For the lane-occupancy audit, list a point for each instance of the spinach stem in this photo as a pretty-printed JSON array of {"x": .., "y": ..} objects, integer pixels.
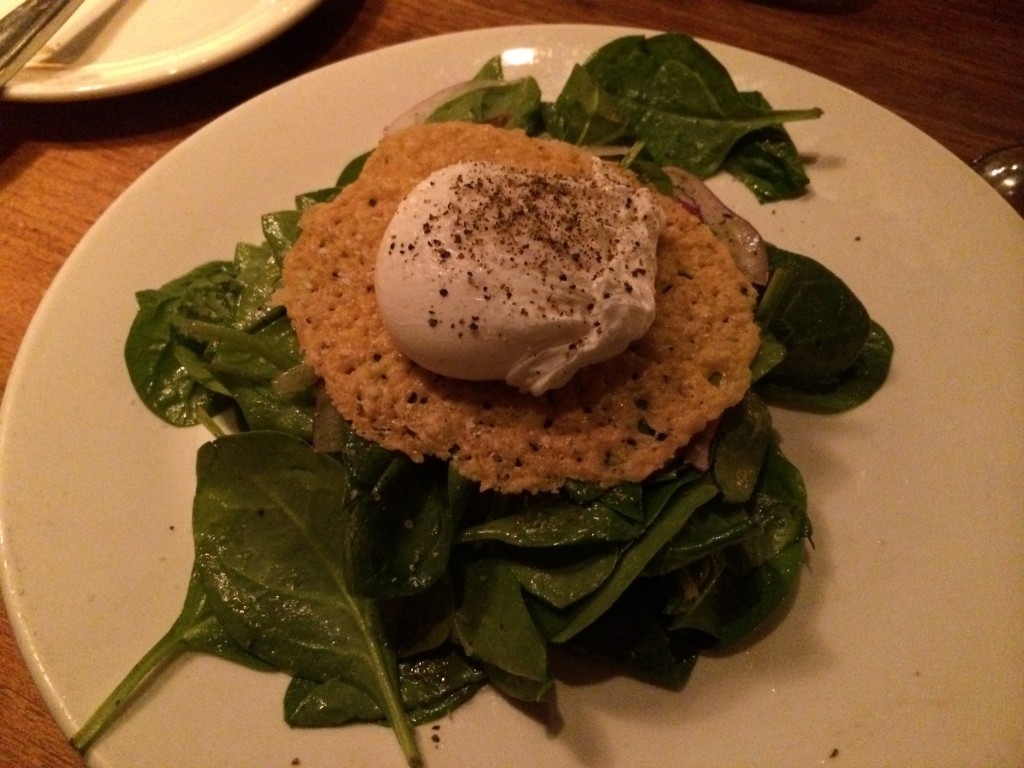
[
  {"x": 167, "y": 649},
  {"x": 406, "y": 735},
  {"x": 386, "y": 672},
  {"x": 214, "y": 332},
  {"x": 773, "y": 295}
]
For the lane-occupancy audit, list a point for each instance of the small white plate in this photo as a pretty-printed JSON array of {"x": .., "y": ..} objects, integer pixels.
[
  {"x": 904, "y": 645},
  {"x": 112, "y": 47}
]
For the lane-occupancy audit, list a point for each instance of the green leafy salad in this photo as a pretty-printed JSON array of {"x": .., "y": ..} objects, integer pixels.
[{"x": 390, "y": 591}]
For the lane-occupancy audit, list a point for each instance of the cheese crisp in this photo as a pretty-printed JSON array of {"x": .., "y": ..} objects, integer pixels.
[{"x": 615, "y": 421}]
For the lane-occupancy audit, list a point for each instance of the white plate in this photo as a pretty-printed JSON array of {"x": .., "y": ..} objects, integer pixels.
[
  {"x": 111, "y": 47},
  {"x": 905, "y": 643}
]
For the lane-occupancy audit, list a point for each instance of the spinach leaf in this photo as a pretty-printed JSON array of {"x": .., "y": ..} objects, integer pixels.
[
  {"x": 365, "y": 461},
  {"x": 770, "y": 353},
  {"x": 713, "y": 528},
  {"x": 518, "y": 686},
  {"x": 743, "y": 436},
  {"x": 701, "y": 144},
  {"x": 767, "y": 160},
  {"x": 670, "y": 94},
  {"x": 836, "y": 356},
  {"x": 422, "y": 622},
  {"x": 157, "y": 354},
  {"x": 768, "y": 163},
  {"x": 669, "y": 71},
  {"x": 494, "y": 626},
  {"x": 730, "y": 592},
  {"x": 779, "y": 505},
  {"x": 258, "y": 269},
  {"x": 625, "y": 499},
  {"x": 632, "y": 637},
  {"x": 555, "y": 523},
  {"x": 430, "y": 687},
  {"x": 273, "y": 563},
  {"x": 635, "y": 558},
  {"x": 561, "y": 576},
  {"x": 812, "y": 312},
  {"x": 311, "y": 704},
  {"x": 500, "y": 102},
  {"x": 258, "y": 373},
  {"x": 403, "y": 514},
  {"x": 205, "y": 341},
  {"x": 281, "y": 229},
  {"x": 313, "y": 197},
  {"x": 585, "y": 114},
  {"x": 352, "y": 170},
  {"x": 254, "y": 355},
  {"x": 856, "y": 385},
  {"x": 196, "y": 629},
  {"x": 250, "y": 367},
  {"x": 579, "y": 513},
  {"x": 743, "y": 598},
  {"x": 398, "y": 535}
]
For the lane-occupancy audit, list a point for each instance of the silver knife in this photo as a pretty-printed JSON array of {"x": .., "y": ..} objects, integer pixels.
[{"x": 26, "y": 29}]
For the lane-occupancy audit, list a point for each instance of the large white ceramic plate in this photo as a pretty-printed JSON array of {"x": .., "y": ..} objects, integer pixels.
[
  {"x": 905, "y": 643},
  {"x": 111, "y": 47}
]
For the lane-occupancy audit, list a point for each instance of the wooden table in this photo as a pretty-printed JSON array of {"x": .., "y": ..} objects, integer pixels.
[{"x": 951, "y": 68}]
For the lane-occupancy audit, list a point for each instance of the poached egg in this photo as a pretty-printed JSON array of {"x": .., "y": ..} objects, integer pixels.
[{"x": 488, "y": 272}]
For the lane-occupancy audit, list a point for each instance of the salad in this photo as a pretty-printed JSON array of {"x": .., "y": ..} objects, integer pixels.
[{"x": 391, "y": 591}]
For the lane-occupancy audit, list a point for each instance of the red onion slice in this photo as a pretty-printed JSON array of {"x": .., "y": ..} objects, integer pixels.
[{"x": 745, "y": 243}]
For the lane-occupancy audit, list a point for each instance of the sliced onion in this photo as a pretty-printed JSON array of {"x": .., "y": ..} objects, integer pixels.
[
  {"x": 697, "y": 452},
  {"x": 745, "y": 243},
  {"x": 606, "y": 150},
  {"x": 295, "y": 379},
  {"x": 419, "y": 113},
  {"x": 328, "y": 424}
]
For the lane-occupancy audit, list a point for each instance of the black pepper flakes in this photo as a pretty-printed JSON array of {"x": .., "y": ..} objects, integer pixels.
[{"x": 568, "y": 233}]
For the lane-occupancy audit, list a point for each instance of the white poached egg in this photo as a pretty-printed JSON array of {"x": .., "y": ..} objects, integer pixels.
[{"x": 487, "y": 272}]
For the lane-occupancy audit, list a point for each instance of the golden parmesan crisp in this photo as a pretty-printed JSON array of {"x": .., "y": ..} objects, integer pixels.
[{"x": 616, "y": 421}]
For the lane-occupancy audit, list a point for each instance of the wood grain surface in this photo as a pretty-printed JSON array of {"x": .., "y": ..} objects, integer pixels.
[{"x": 951, "y": 68}]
